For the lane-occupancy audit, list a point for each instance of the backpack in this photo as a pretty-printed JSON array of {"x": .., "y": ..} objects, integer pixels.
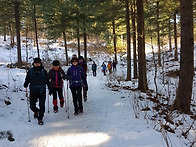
[
  {"x": 94, "y": 67},
  {"x": 38, "y": 83},
  {"x": 109, "y": 66}
]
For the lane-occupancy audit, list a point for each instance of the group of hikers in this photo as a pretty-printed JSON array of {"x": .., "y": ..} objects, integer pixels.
[
  {"x": 37, "y": 78},
  {"x": 111, "y": 65}
]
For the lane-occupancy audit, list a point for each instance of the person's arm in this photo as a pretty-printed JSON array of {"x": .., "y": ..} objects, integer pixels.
[
  {"x": 47, "y": 79},
  {"x": 68, "y": 74},
  {"x": 27, "y": 80},
  {"x": 83, "y": 75},
  {"x": 63, "y": 75}
]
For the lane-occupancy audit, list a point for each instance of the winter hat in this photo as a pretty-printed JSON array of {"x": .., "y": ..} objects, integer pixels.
[
  {"x": 55, "y": 63},
  {"x": 37, "y": 60},
  {"x": 74, "y": 59},
  {"x": 81, "y": 57},
  {"x": 74, "y": 56}
]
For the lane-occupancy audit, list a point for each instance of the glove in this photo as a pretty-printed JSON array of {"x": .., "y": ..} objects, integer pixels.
[
  {"x": 50, "y": 92},
  {"x": 86, "y": 87},
  {"x": 25, "y": 85},
  {"x": 61, "y": 75}
]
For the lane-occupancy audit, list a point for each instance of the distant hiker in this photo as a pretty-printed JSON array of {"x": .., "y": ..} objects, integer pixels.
[
  {"x": 56, "y": 77},
  {"x": 114, "y": 65},
  {"x": 103, "y": 68},
  {"x": 109, "y": 66},
  {"x": 94, "y": 68},
  {"x": 38, "y": 78},
  {"x": 84, "y": 66},
  {"x": 77, "y": 80},
  {"x": 74, "y": 56}
]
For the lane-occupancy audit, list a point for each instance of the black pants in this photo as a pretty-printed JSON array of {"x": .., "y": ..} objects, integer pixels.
[
  {"x": 94, "y": 73},
  {"x": 34, "y": 97},
  {"x": 104, "y": 72},
  {"x": 77, "y": 98},
  {"x": 59, "y": 91}
]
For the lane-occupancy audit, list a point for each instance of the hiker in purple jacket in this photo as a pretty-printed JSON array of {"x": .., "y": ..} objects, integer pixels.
[{"x": 77, "y": 80}]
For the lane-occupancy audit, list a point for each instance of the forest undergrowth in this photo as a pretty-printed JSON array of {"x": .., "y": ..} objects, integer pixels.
[{"x": 155, "y": 105}]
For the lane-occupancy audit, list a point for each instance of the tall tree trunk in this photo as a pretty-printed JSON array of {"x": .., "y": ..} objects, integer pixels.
[
  {"x": 65, "y": 45},
  {"x": 85, "y": 40},
  {"x": 26, "y": 34},
  {"x": 11, "y": 34},
  {"x": 114, "y": 40},
  {"x": 128, "y": 41},
  {"x": 134, "y": 39},
  {"x": 35, "y": 25},
  {"x": 175, "y": 38},
  {"x": 184, "y": 92},
  {"x": 169, "y": 28},
  {"x": 4, "y": 32},
  {"x": 158, "y": 36},
  {"x": 141, "y": 47},
  {"x": 17, "y": 23},
  {"x": 78, "y": 37}
]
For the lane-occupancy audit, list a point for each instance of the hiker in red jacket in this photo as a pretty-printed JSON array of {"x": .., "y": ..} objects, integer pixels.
[{"x": 56, "y": 77}]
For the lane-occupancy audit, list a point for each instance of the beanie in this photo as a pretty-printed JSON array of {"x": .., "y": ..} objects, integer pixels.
[
  {"x": 74, "y": 56},
  {"x": 55, "y": 63},
  {"x": 81, "y": 57},
  {"x": 37, "y": 60}
]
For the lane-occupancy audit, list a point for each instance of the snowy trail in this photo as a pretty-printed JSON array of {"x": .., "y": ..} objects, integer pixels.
[{"x": 107, "y": 121}]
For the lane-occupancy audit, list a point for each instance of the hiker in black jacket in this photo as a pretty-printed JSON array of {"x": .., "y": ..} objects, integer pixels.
[
  {"x": 94, "y": 68},
  {"x": 38, "y": 78}
]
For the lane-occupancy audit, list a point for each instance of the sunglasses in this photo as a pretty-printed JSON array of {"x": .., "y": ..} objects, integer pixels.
[{"x": 74, "y": 61}]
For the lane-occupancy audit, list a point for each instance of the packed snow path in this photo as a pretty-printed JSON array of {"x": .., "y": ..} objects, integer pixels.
[{"x": 107, "y": 121}]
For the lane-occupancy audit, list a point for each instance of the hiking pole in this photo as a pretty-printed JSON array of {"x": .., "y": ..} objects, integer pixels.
[
  {"x": 48, "y": 101},
  {"x": 67, "y": 102},
  {"x": 28, "y": 106},
  {"x": 64, "y": 98}
]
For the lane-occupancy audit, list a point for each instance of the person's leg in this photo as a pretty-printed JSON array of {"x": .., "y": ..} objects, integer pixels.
[
  {"x": 73, "y": 91},
  {"x": 42, "y": 100},
  {"x": 60, "y": 94},
  {"x": 84, "y": 93},
  {"x": 79, "y": 98},
  {"x": 94, "y": 73},
  {"x": 55, "y": 107},
  {"x": 33, "y": 101}
]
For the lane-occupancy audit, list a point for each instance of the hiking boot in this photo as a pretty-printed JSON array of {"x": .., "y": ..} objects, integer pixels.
[
  {"x": 55, "y": 108},
  {"x": 62, "y": 103},
  {"x": 36, "y": 115},
  {"x": 76, "y": 113},
  {"x": 40, "y": 122},
  {"x": 55, "y": 111},
  {"x": 80, "y": 111},
  {"x": 85, "y": 99}
]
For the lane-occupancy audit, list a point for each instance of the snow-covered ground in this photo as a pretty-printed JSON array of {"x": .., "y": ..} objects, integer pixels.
[{"x": 109, "y": 119}]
